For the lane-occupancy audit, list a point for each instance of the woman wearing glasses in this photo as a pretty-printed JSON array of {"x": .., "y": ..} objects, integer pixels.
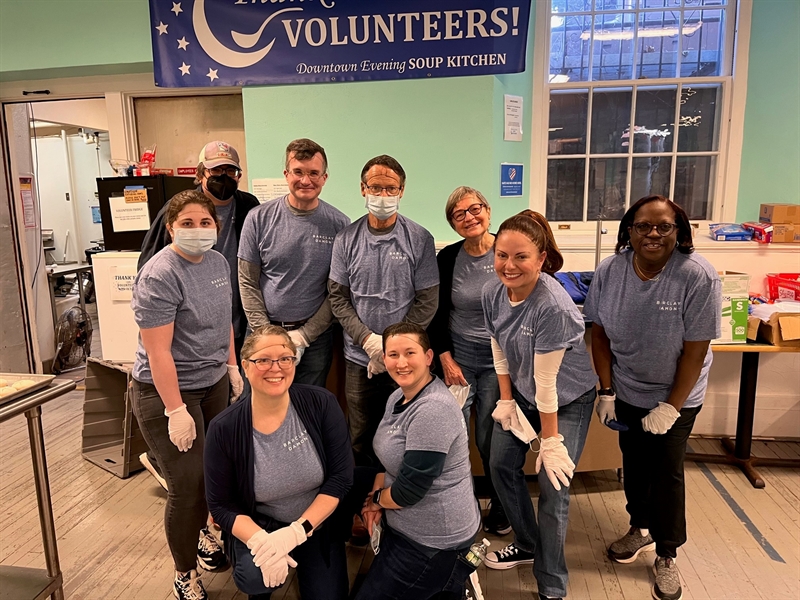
[
  {"x": 277, "y": 467},
  {"x": 458, "y": 334},
  {"x": 655, "y": 306}
]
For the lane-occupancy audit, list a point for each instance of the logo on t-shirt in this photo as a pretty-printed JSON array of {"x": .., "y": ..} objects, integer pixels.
[
  {"x": 668, "y": 305},
  {"x": 393, "y": 429},
  {"x": 526, "y": 330},
  {"x": 322, "y": 239},
  {"x": 395, "y": 255},
  {"x": 488, "y": 268},
  {"x": 297, "y": 441},
  {"x": 219, "y": 282}
]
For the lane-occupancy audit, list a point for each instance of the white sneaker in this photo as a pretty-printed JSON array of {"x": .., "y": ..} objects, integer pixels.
[
  {"x": 153, "y": 471},
  {"x": 189, "y": 586}
]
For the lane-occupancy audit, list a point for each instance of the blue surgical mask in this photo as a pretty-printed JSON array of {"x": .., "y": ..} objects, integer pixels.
[
  {"x": 382, "y": 207},
  {"x": 195, "y": 241}
]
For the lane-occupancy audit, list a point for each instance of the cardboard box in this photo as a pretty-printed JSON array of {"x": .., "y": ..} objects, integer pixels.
[
  {"x": 785, "y": 233},
  {"x": 780, "y": 213},
  {"x": 734, "y": 283},
  {"x": 733, "y": 320},
  {"x": 783, "y": 329}
]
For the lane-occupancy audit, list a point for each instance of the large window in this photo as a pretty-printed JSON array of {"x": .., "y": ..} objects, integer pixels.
[{"x": 636, "y": 93}]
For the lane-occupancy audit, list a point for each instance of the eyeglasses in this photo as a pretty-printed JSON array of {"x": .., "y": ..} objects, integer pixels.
[
  {"x": 265, "y": 364},
  {"x": 229, "y": 171},
  {"x": 662, "y": 229},
  {"x": 312, "y": 175},
  {"x": 474, "y": 209},
  {"x": 376, "y": 190}
]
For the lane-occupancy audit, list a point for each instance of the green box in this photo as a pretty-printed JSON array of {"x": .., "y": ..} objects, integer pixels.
[{"x": 733, "y": 320}]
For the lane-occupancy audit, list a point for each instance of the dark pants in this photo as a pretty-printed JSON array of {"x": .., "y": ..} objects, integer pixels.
[
  {"x": 186, "y": 512},
  {"x": 316, "y": 361},
  {"x": 403, "y": 571},
  {"x": 366, "y": 402},
  {"x": 653, "y": 476}
]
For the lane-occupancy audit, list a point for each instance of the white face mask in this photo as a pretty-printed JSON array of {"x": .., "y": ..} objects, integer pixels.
[
  {"x": 526, "y": 433},
  {"x": 194, "y": 242},
  {"x": 382, "y": 207}
]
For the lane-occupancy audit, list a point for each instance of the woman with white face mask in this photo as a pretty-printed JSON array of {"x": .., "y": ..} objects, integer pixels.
[
  {"x": 545, "y": 379},
  {"x": 185, "y": 372}
]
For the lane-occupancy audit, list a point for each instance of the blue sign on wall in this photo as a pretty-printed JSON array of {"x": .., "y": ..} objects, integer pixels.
[
  {"x": 198, "y": 43},
  {"x": 510, "y": 180}
]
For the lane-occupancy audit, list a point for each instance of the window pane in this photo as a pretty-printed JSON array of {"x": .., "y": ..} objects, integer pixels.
[
  {"x": 569, "y": 48},
  {"x": 657, "y": 44},
  {"x": 612, "y": 50},
  {"x": 698, "y": 124},
  {"x": 650, "y": 176},
  {"x": 568, "y": 114},
  {"x": 565, "y": 189},
  {"x": 561, "y": 6},
  {"x": 611, "y": 117},
  {"x": 659, "y": 3},
  {"x": 693, "y": 185},
  {"x": 701, "y": 43},
  {"x": 655, "y": 114},
  {"x": 689, "y": 3},
  {"x": 615, "y": 4},
  {"x": 607, "y": 179}
]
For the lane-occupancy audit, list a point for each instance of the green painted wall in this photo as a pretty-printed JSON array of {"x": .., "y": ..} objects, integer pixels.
[{"x": 770, "y": 169}]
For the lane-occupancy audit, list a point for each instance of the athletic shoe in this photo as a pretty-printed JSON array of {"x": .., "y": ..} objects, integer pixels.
[
  {"x": 508, "y": 558},
  {"x": 189, "y": 586},
  {"x": 209, "y": 554},
  {"x": 153, "y": 470},
  {"x": 627, "y": 548},
  {"x": 543, "y": 597},
  {"x": 668, "y": 581},
  {"x": 496, "y": 521}
]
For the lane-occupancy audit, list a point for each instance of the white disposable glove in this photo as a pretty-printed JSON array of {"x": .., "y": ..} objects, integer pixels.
[
  {"x": 300, "y": 340},
  {"x": 506, "y": 414},
  {"x": 605, "y": 408},
  {"x": 558, "y": 466},
  {"x": 273, "y": 572},
  {"x": 660, "y": 419},
  {"x": 375, "y": 368},
  {"x": 237, "y": 383},
  {"x": 373, "y": 346},
  {"x": 181, "y": 428},
  {"x": 278, "y": 543},
  {"x": 460, "y": 393}
]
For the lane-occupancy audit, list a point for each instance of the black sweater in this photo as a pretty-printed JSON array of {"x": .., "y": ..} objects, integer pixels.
[{"x": 439, "y": 329}]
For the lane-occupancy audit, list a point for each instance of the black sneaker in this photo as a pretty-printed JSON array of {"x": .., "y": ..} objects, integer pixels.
[
  {"x": 668, "y": 582},
  {"x": 508, "y": 558},
  {"x": 189, "y": 586},
  {"x": 543, "y": 597},
  {"x": 209, "y": 553},
  {"x": 628, "y": 547},
  {"x": 496, "y": 521}
]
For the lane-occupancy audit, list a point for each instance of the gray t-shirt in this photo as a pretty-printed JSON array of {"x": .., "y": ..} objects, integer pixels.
[
  {"x": 648, "y": 321},
  {"x": 294, "y": 252},
  {"x": 546, "y": 321},
  {"x": 383, "y": 273},
  {"x": 197, "y": 299},
  {"x": 470, "y": 274},
  {"x": 448, "y": 514},
  {"x": 227, "y": 245},
  {"x": 288, "y": 471}
]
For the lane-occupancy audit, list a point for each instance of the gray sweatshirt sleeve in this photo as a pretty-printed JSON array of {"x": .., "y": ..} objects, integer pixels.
[
  {"x": 343, "y": 309},
  {"x": 319, "y": 322},
  {"x": 424, "y": 308},
  {"x": 250, "y": 291}
]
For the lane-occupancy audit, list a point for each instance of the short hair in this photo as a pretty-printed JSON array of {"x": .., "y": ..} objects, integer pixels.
[
  {"x": 459, "y": 194},
  {"x": 182, "y": 199},
  {"x": 535, "y": 227},
  {"x": 248, "y": 347},
  {"x": 387, "y": 161},
  {"x": 305, "y": 149},
  {"x": 685, "y": 243},
  {"x": 405, "y": 328}
]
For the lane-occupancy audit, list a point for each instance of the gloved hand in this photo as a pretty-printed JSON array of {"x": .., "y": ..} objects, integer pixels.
[
  {"x": 557, "y": 464},
  {"x": 660, "y": 419},
  {"x": 605, "y": 408},
  {"x": 275, "y": 573},
  {"x": 373, "y": 346},
  {"x": 277, "y": 544},
  {"x": 375, "y": 367},
  {"x": 299, "y": 339},
  {"x": 181, "y": 428},
  {"x": 237, "y": 383},
  {"x": 506, "y": 414}
]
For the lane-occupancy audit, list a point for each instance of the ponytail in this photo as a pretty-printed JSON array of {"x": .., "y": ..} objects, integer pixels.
[{"x": 536, "y": 228}]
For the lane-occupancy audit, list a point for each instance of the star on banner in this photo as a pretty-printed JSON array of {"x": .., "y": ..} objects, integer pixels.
[
  {"x": 184, "y": 69},
  {"x": 182, "y": 43},
  {"x": 176, "y": 8},
  {"x": 162, "y": 29},
  {"x": 212, "y": 74}
]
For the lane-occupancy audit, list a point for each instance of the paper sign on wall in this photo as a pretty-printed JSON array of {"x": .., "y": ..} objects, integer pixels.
[
  {"x": 121, "y": 283},
  {"x": 512, "y": 118},
  {"x": 269, "y": 189},
  {"x": 128, "y": 216},
  {"x": 135, "y": 193},
  {"x": 510, "y": 180},
  {"x": 28, "y": 205}
]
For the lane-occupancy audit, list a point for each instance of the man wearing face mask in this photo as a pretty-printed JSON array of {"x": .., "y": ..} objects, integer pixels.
[{"x": 383, "y": 271}]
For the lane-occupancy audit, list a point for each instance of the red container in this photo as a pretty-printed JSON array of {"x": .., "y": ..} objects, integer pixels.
[{"x": 784, "y": 286}]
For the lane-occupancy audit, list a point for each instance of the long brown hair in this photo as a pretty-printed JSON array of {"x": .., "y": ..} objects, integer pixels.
[{"x": 535, "y": 227}]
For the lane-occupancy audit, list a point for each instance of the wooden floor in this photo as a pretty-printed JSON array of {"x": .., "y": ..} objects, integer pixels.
[{"x": 743, "y": 542}]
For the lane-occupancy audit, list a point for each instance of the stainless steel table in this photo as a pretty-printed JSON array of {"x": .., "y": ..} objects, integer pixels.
[
  {"x": 60, "y": 271},
  {"x": 22, "y": 583}
]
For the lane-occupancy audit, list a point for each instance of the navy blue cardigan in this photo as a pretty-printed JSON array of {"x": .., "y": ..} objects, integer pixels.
[{"x": 228, "y": 458}]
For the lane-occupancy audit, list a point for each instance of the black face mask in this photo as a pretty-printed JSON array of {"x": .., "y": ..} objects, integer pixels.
[{"x": 221, "y": 186}]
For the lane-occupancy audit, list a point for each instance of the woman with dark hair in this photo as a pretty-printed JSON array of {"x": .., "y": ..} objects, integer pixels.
[
  {"x": 654, "y": 313},
  {"x": 546, "y": 384}
]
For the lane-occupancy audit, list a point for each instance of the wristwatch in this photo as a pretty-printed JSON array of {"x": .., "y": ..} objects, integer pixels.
[
  {"x": 606, "y": 392},
  {"x": 376, "y": 496},
  {"x": 307, "y": 527}
]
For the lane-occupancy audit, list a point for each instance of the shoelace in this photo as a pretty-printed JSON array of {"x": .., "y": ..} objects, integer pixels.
[
  {"x": 508, "y": 551},
  {"x": 191, "y": 588},
  {"x": 208, "y": 544}
]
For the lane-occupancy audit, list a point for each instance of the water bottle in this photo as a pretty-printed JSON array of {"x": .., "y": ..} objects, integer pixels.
[{"x": 477, "y": 552}]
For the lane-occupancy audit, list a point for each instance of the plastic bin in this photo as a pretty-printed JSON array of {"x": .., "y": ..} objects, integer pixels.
[{"x": 783, "y": 286}]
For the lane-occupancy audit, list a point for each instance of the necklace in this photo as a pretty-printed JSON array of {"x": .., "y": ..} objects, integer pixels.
[{"x": 656, "y": 275}]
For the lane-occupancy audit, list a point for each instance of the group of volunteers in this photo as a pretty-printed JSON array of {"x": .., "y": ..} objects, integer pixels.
[{"x": 238, "y": 305}]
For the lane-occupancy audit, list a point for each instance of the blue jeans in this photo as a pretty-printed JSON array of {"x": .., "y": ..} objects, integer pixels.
[
  {"x": 477, "y": 365},
  {"x": 316, "y": 361},
  {"x": 544, "y": 539}
]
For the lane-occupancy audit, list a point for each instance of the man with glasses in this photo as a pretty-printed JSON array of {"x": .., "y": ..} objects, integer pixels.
[
  {"x": 383, "y": 271},
  {"x": 285, "y": 257}
]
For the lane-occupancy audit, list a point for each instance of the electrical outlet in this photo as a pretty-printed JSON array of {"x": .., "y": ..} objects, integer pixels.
[{"x": 67, "y": 195}]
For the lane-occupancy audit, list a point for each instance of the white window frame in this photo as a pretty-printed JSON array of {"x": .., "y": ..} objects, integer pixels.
[{"x": 731, "y": 117}]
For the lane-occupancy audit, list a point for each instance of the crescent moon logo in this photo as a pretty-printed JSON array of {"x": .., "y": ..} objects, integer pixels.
[{"x": 222, "y": 54}]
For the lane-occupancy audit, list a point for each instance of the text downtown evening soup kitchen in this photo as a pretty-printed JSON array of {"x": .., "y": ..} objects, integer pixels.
[{"x": 400, "y": 66}]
